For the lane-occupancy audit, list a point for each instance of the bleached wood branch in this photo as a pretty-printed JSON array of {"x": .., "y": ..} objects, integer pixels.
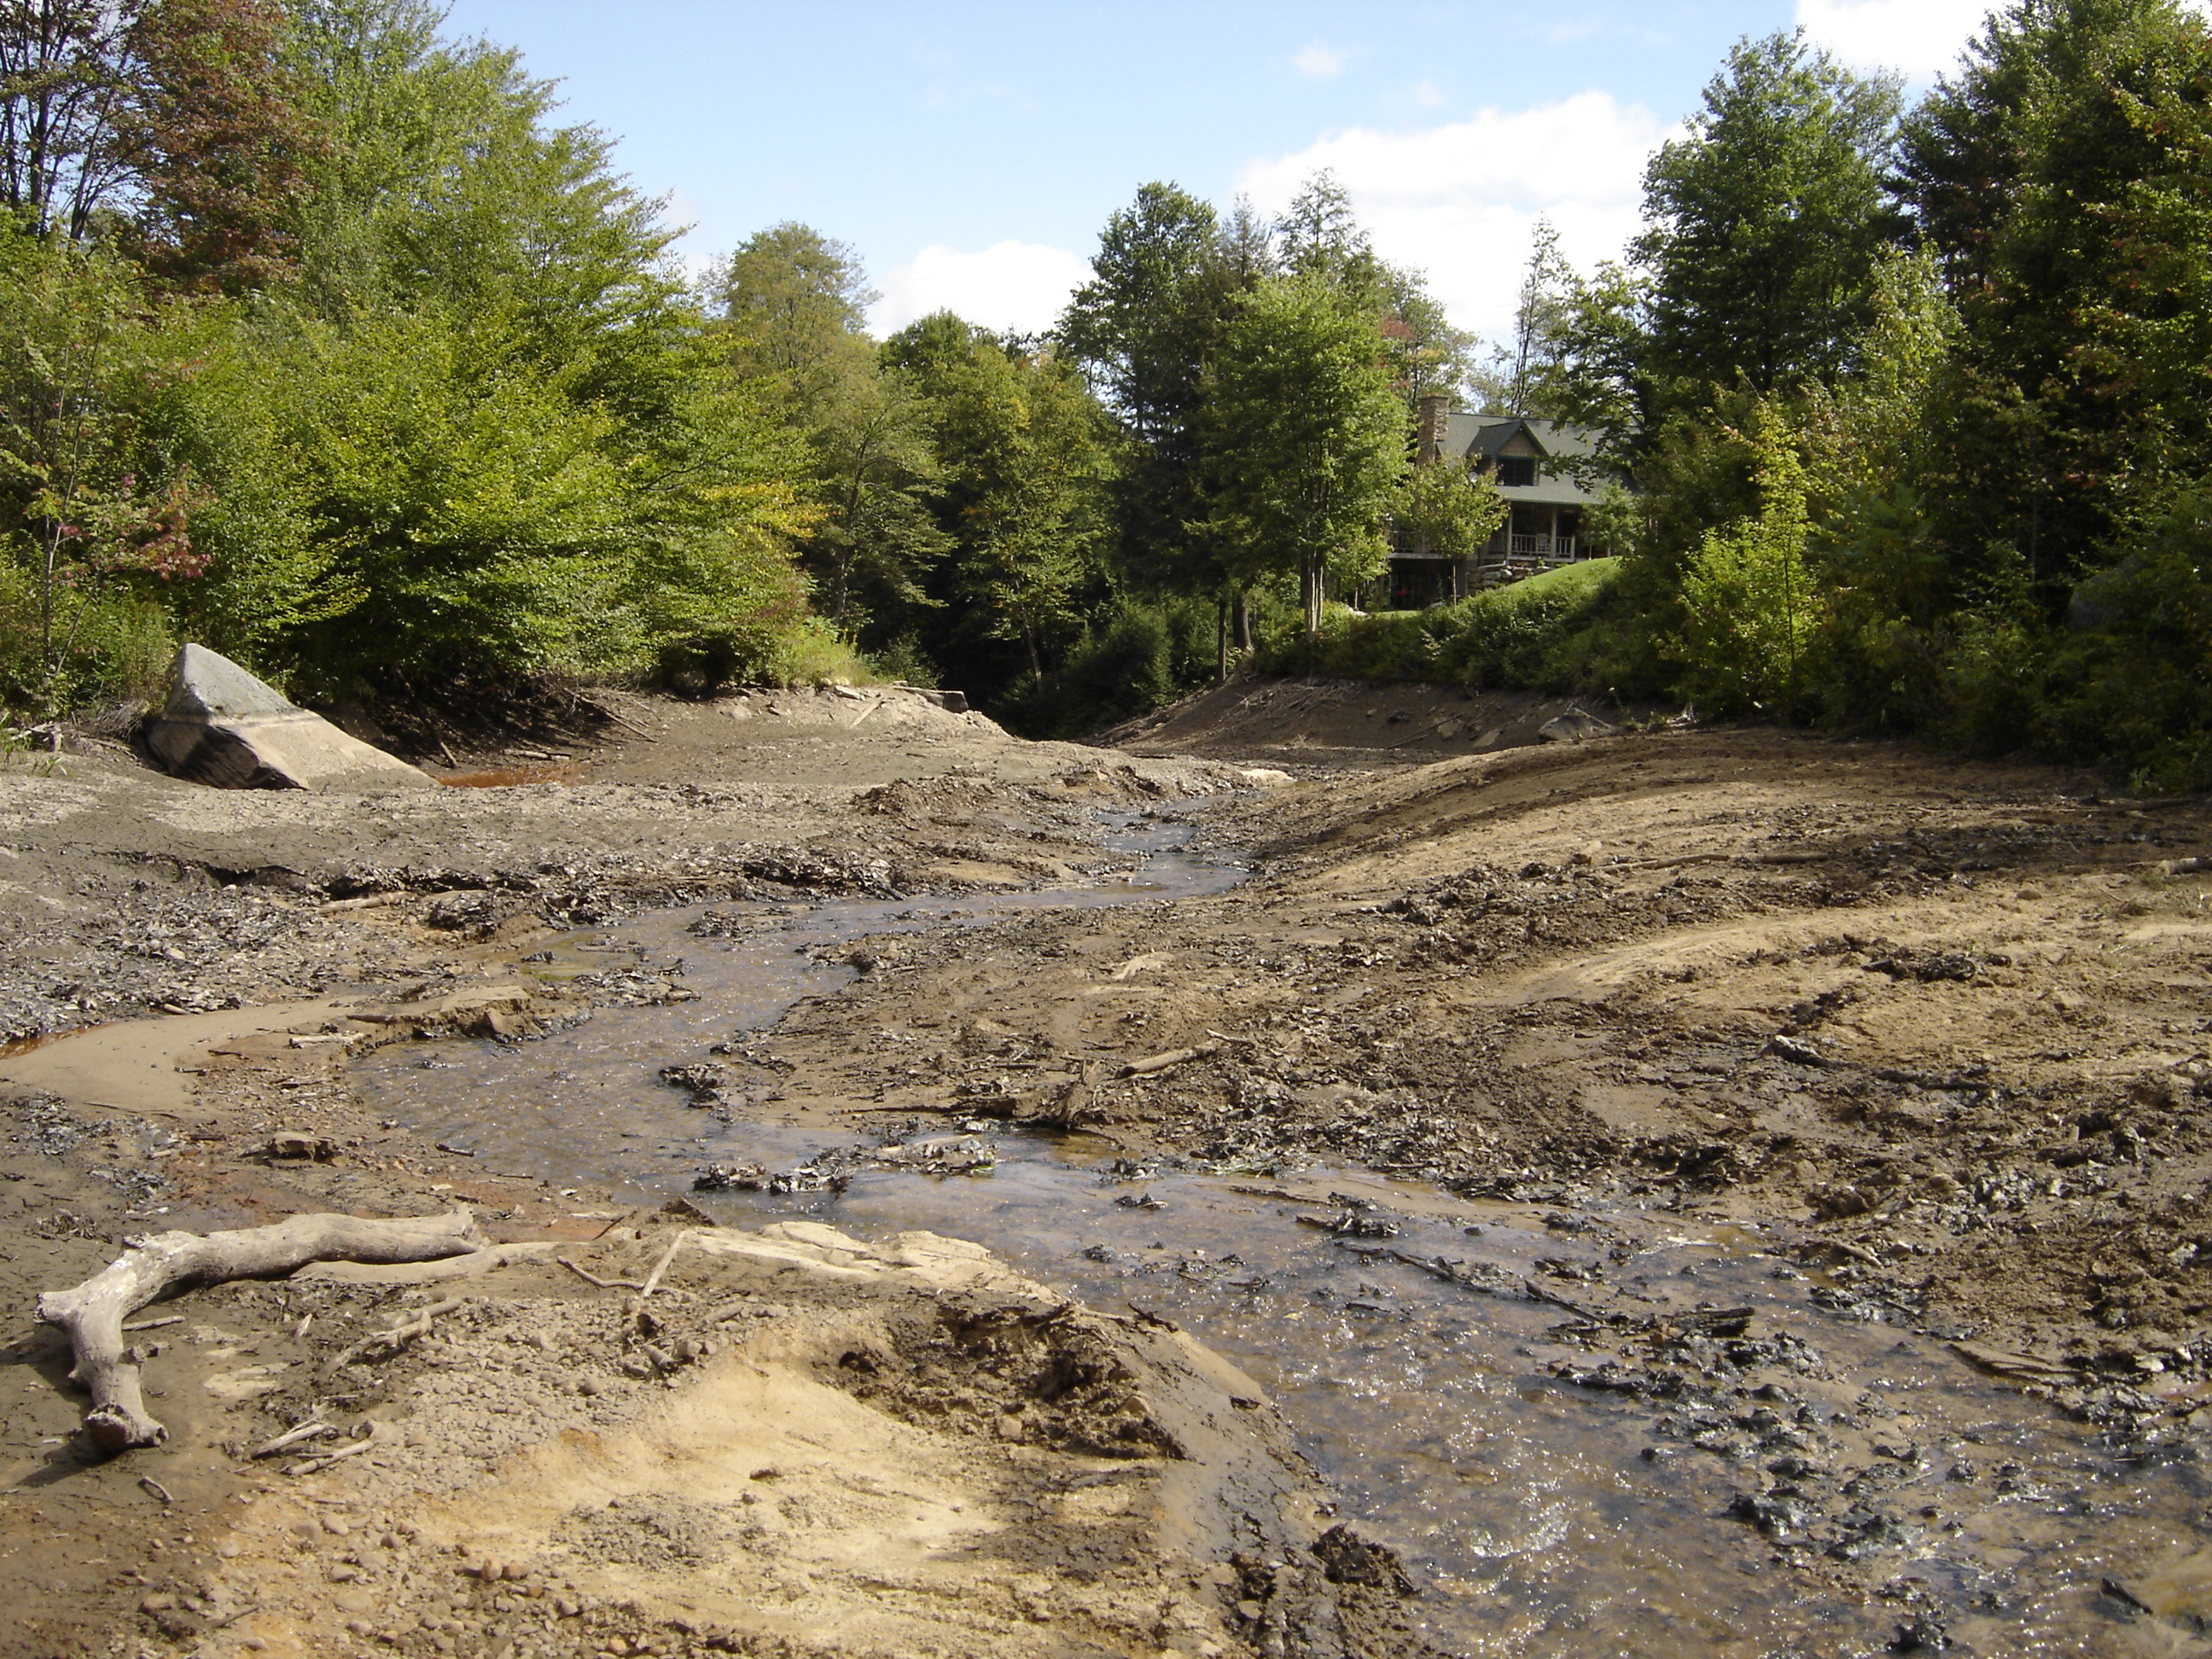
[{"x": 93, "y": 1313}]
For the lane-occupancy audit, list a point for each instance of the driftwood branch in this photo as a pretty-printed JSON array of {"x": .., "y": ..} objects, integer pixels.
[
  {"x": 1152, "y": 1065},
  {"x": 93, "y": 1312},
  {"x": 382, "y": 1345}
]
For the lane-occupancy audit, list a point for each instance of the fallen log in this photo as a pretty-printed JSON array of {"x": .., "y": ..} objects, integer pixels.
[{"x": 93, "y": 1312}]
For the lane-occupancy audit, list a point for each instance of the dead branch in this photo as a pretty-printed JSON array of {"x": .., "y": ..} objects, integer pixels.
[
  {"x": 292, "y": 1437},
  {"x": 653, "y": 1279},
  {"x": 1174, "y": 1057},
  {"x": 322, "y": 1459},
  {"x": 591, "y": 1278},
  {"x": 93, "y": 1312},
  {"x": 393, "y": 1341},
  {"x": 370, "y": 902}
]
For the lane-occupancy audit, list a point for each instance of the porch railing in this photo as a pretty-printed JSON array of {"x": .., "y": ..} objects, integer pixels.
[
  {"x": 1524, "y": 555},
  {"x": 1560, "y": 549}
]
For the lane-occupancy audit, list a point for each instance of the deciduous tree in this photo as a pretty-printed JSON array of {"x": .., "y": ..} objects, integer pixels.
[{"x": 1309, "y": 436}]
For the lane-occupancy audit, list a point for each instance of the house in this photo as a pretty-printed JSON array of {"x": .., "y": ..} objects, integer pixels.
[{"x": 1533, "y": 464}]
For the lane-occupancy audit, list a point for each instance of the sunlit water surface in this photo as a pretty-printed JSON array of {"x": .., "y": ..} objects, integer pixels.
[{"x": 1526, "y": 1505}]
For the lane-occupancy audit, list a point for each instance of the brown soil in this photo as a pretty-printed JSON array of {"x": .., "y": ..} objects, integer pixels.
[
  {"x": 1354, "y": 724},
  {"x": 1946, "y": 1022}
]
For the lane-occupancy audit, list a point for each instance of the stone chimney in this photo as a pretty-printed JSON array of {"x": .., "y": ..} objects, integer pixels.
[{"x": 1429, "y": 427}]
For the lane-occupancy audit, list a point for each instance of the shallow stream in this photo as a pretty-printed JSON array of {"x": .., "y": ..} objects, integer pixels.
[{"x": 1541, "y": 1515}]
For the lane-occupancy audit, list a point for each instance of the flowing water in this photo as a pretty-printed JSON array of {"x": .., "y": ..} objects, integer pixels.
[{"x": 1541, "y": 1515}]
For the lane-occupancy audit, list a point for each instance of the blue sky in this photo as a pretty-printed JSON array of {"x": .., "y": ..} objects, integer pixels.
[{"x": 971, "y": 152}]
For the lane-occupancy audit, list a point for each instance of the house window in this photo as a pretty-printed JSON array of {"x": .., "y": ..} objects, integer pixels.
[{"x": 1516, "y": 471}]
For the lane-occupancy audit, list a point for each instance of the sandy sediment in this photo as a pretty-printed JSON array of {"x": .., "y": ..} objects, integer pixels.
[{"x": 1941, "y": 1024}]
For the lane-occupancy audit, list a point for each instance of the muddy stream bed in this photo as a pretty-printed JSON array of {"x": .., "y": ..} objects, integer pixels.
[{"x": 1555, "y": 1483}]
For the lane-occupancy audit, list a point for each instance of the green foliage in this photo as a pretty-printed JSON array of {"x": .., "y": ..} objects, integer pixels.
[
  {"x": 2062, "y": 179},
  {"x": 1445, "y": 509},
  {"x": 93, "y": 522},
  {"x": 799, "y": 302},
  {"x": 1025, "y": 463},
  {"x": 793, "y": 302},
  {"x": 1146, "y": 328},
  {"x": 1138, "y": 656},
  {"x": 1310, "y": 437},
  {"x": 1526, "y": 374},
  {"x": 1766, "y": 220},
  {"x": 1546, "y": 632},
  {"x": 2128, "y": 680},
  {"x": 1753, "y": 609}
]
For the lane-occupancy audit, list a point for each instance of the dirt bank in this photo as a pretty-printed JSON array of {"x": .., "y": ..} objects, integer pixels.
[
  {"x": 1934, "y": 1033},
  {"x": 1357, "y": 725}
]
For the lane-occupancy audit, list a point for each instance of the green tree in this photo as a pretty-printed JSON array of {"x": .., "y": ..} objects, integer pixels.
[
  {"x": 2061, "y": 178},
  {"x": 795, "y": 305},
  {"x": 1540, "y": 325},
  {"x": 1309, "y": 436},
  {"x": 877, "y": 539},
  {"x": 92, "y": 521},
  {"x": 1766, "y": 221},
  {"x": 1024, "y": 457},
  {"x": 799, "y": 301},
  {"x": 1754, "y": 610},
  {"x": 1446, "y": 509}
]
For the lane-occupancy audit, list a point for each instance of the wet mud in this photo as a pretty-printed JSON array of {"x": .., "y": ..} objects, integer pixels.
[
  {"x": 1601, "y": 1423},
  {"x": 1686, "y": 1192}
]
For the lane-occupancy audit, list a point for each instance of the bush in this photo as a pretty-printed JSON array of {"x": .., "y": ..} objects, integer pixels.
[
  {"x": 116, "y": 647},
  {"x": 2129, "y": 682},
  {"x": 1548, "y": 632},
  {"x": 1143, "y": 654}
]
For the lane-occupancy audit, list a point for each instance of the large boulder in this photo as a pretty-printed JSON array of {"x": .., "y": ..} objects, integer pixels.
[
  {"x": 1573, "y": 726},
  {"x": 222, "y": 728}
]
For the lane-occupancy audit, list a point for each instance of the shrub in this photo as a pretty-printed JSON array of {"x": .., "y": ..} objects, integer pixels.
[{"x": 1546, "y": 632}]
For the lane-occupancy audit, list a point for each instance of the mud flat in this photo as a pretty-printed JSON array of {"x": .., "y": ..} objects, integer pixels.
[{"x": 1706, "y": 1192}]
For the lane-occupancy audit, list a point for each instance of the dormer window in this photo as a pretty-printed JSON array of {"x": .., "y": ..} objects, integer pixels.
[{"x": 1517, "y": 471}]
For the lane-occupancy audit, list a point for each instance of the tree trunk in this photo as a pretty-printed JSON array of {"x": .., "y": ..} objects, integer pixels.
[
  {"x": 93, "y": 1312},
  {"x": 1244, "y": 621},
  {"x": 1221, "y": 640}
]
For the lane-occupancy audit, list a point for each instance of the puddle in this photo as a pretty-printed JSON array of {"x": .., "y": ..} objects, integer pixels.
[
  {"x": 510, "y": 777},
  {"x": 1540, "y": 1514},
  {"x": 24, "y": 1045}
]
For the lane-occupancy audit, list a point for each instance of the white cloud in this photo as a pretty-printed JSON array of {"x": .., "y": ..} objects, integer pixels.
[
  {"x": 1458, "y": 200},
  {"x": 1920, "y": 39},
  {"x": 1018, "y": 286},
  {"x": 1319, "y": 63}
]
